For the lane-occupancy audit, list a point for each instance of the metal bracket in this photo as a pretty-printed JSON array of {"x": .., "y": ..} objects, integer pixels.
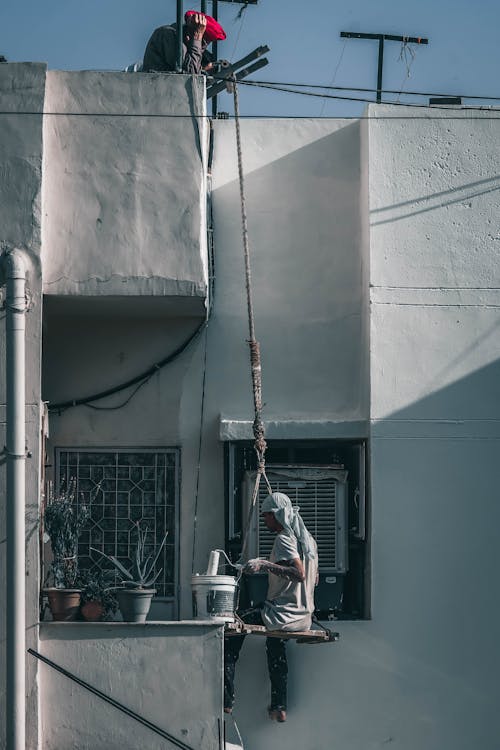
[
  {"x": 9, "y": 454},
  {"x": 238, "y": 70}
]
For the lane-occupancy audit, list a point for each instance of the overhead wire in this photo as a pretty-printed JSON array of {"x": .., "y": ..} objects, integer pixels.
[
  {"x": 374, "y": 90},
  {"x": 274, "y": 87},
  {"x": 287, "y": 87},
  {"x": 241, "y": 17},
  {"x": 334, "y": 74}
]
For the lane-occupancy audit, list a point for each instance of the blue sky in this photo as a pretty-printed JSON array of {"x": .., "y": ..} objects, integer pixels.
[{"x": 462, "y": 55}]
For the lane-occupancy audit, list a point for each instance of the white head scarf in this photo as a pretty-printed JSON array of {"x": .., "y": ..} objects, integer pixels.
[{"x": 288, "y": 517}]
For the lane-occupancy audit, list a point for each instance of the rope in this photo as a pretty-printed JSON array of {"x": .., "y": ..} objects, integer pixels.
[{"x": 260, "y": 444}]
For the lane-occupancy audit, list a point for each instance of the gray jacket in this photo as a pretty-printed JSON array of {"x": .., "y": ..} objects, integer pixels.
[{"x": 161, "y": 52}]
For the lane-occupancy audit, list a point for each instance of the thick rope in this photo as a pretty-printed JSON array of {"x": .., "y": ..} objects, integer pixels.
[{"x": 260, "y": 444}]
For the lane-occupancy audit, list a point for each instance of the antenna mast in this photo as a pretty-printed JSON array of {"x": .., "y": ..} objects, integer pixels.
[{"x": 381, "y": 38}]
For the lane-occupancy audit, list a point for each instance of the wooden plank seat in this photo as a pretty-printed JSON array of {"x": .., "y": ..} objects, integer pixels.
[{"x": 301, "y": 636}]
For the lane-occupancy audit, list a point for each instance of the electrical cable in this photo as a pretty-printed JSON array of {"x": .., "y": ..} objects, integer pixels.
[
  {"x": 240, "y": 16},
  {"x": 334, "y": 74},
  {"x": 274, "y": 87},
  {"x": 124, "y": 403},
  {"x": 406, "y": 52},
  {"x": 374, "y": 91},
  {"x": 200, "y": 444},
  {"x": 141, "y": 379},
  {"x": 287, "y": 86}
]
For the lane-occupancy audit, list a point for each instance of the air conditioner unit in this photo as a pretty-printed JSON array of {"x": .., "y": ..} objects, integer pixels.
[{"x": 321, "y": 495}]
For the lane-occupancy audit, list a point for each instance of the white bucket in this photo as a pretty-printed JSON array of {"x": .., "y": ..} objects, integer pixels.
[{"x": 214, "y": 597}]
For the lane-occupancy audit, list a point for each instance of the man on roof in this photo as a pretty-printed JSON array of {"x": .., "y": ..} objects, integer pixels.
[
  {"x": 292, "y": 575},
  {"x": 198, "y": 31}
]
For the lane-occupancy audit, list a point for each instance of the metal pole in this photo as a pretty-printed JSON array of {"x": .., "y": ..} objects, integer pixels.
[
  {"x": 215, "y": 52},
  {"x": 180, "y": 25},
  {"x": 381, "y": 38},
  {"x": 203, "y": 6},
  {"x": 15, "y": 275},
  {"x": 380, "y": 67}
]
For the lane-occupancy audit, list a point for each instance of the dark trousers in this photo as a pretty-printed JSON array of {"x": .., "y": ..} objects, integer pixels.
[{"x": 276, "y": 663}]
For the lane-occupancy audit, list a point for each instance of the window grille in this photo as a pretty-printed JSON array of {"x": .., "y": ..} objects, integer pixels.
[
  {"x": 134, "y": 485},
  {"x": 321, "y": 497}
]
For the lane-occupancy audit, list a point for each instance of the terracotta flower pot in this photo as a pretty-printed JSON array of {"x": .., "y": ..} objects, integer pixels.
[
  {"x": 64, "y": 603},
  {"x": 92, "y": 611}
]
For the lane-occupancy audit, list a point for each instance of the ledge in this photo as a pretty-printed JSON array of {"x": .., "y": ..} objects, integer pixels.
[
  {"x": 241, "y": 429},
  {"x": 119, "y": 623}
]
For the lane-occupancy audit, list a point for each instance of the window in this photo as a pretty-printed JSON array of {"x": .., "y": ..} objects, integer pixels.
[
  {"x": 327, "y": 480},
  {"x": 320, "y": 495},
  {"x": 134, "y": 485}
]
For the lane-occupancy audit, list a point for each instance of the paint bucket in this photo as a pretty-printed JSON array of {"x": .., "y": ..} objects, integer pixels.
[{"x": 214, "y": 597}]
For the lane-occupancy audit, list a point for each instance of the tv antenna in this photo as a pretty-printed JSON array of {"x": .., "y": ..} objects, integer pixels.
[{"x": 381, "y": 38}]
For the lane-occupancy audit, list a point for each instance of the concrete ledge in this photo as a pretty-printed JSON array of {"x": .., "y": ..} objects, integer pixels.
[
  {"x": 169, "y": 673},
  {"x": 241, "y": 429}
]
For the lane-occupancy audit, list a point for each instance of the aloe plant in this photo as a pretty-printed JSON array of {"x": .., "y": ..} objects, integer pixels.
[{"x": 141, "y": 575}]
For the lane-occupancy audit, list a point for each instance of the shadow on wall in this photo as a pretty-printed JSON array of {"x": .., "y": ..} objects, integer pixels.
[
  {"x": 304, "y": 216},
  {"x": 425, "y": 203},
  {"x": 473, "y": 398}
]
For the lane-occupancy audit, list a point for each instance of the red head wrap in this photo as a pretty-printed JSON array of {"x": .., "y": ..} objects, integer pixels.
[{"x": 214, "y": 30}]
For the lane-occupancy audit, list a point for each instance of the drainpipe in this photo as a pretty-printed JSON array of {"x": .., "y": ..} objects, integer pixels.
[{"x": 15, "y": 451}]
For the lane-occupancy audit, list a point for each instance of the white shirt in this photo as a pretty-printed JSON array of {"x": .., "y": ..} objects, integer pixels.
[{"x": 290, "y": 603}]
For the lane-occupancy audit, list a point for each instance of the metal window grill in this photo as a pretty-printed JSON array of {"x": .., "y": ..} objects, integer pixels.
[
  {"x": 134, "y": 485},
  {"x": 322, "y": 505}
]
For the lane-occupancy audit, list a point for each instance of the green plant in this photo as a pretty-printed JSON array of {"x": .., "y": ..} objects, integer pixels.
[
  {"x": 63, "y": 523},
  {"x": 141, "y": 575},
  {"x": 97, "y": 587}
]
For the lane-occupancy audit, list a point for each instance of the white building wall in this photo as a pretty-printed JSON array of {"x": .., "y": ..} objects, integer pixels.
[
  {"x": 435, "y": 339},
  {"x": 422, "y": 672},
  {"x": 302, "y": 180},
  {"x": 124, "y": 185},
  {"x": 170, "y": 674}
]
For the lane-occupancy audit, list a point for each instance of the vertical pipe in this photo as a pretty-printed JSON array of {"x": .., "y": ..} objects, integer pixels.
[
  {"x": 380, "y": 66},
  {"x": 15, "y": 275},
  {"x": 215, "y": 14},
  {"x": 180, "y": 26}
]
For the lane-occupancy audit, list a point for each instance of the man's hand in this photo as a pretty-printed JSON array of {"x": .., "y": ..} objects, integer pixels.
[
  {"x": 197, "y": 24},
  {"x": 254, "y": 565},
  {"x": 293, "y": 570}
]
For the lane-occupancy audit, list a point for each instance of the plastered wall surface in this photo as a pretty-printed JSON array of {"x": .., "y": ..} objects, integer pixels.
[
  {"x": 170, "y": 674},
  {"x": 422, "y": 671},
  {"x": 22, "y": 91},
  {"x": 302, "y": 180},
  {"x": 421, "y": 196},
  {"x": 124, "y": 184},
  {"x": 435, "y": 420}
]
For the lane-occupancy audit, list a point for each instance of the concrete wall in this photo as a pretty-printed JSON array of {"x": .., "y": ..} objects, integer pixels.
[
  {"x": 124, "y": 185},
  {"x": 423, "y": 671},
  {"x": 396, "y": 216},
  {"x": 435, "y": 338},
  {"x": 22, "y": 89},
  {"x": 302, "y": 180},
  {"x": 170, "y": 674}
]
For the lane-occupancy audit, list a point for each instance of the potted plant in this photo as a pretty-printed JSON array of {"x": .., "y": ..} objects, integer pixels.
[
  {"x": 98, "y": 601},
  {"x": 63, "y": 523},
  {"x": 134, "y": 593}
]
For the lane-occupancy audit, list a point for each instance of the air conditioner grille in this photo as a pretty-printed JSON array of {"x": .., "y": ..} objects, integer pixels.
[{"x": 317, "y": 502}]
